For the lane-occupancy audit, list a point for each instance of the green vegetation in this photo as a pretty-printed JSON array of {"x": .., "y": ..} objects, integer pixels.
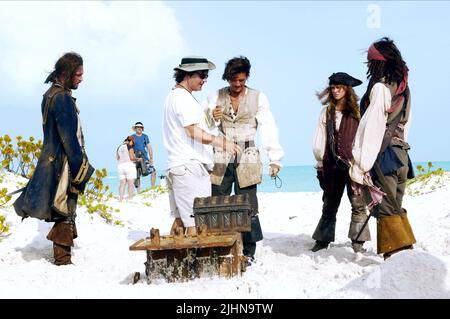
[
  {"x": 152, "y": 193},
  {"x": 4, "y": 228},
  {"x": 96, "y": 195},
  {"x": 427, "y": 180},
  {"x": 20, "y": 158}
]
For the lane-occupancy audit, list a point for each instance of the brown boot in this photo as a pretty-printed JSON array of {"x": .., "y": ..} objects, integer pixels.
[
  {"x": 392, "y": 235},
  {"x": 407, "y": 226},
  {"x": 61, "y": 254},
  {"x": 389, "y": 254},
  {"x": 62, "y": 235}
]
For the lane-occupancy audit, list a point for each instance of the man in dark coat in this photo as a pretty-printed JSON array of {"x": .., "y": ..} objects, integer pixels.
[{"x": 63, "y": 168}]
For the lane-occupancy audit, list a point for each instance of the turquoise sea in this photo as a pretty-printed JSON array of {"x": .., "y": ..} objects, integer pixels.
[{"x": 293, "y": 179}]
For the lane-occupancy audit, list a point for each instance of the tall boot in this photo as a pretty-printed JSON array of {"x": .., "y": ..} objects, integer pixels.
[
  {"x": 407, "y": 226},
  {"x": 62, "y": 235},
  {"x": 61, "y": 254},
  {"x": 391, "y": 235}
]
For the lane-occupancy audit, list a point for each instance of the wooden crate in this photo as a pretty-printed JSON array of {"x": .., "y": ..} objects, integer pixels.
[
  {"x": 180, "y": 258},
  {"x": 223, "y": 213}
]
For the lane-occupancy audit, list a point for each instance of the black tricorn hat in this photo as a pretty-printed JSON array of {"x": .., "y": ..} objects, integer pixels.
[{"x": 344, "y": 78}]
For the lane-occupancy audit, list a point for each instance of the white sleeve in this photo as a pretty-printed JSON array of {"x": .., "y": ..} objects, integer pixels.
[
  {"x": 320, "y": 138},
  {"x": 211, "y": 103},
  {"x": 208, "y": 115},
  {"x": 268, "y": 131},
  {"x": 369, "y": 135},
  {"x": 408, "y": 125}
]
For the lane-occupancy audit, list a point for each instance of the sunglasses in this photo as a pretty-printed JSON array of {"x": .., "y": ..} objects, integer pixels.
[{"x": 202, "y": 74}]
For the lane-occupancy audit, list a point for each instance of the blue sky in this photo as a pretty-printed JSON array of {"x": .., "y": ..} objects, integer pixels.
[{"x": 131, "y": 48}]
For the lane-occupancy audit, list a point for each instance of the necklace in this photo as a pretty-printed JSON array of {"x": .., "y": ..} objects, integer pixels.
[
  {"x": 188, "y": 91},
  {"x": 183, "y": 87}
]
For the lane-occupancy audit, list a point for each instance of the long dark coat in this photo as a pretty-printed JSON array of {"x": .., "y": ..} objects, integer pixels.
[{"x": 63, "y": 168}]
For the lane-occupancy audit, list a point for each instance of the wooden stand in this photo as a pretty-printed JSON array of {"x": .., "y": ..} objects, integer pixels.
[{"x": 180, "y": 258}]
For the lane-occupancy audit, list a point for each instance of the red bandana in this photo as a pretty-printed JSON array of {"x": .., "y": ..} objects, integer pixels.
[
  {"x": 374, "y": 54},
  {"x": 401, "y": 88}
]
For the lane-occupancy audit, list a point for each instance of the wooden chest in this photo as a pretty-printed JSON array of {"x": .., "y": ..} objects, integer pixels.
[
  {"x": 180, "y": 258},
  {"x": 223, "y": 213}
]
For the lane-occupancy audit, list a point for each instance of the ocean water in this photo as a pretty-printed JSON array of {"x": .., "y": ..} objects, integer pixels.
[{"x": 293, "y": 179}]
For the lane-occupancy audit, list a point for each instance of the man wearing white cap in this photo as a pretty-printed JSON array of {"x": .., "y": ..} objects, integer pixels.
[
  {"x": 143, "y": 147},
  {"x": 187, "y": 143}
]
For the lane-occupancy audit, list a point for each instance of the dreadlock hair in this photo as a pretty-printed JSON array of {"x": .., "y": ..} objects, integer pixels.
[
  {"x": 350, "y": 104},
  {"x": 65, "y": 68},
  {"x": 235, "y": 66},
  {"x": 392, "y": 69}
]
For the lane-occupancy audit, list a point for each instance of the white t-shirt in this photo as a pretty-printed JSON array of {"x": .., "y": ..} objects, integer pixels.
[
  {"x": 181, "y": 110},
  {"x": 124, "y": 154}
]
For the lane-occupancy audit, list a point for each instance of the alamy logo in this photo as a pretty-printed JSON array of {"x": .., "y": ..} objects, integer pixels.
[
  {"x": 374, "y": 19},
  {"x": 245, "y": 132}
]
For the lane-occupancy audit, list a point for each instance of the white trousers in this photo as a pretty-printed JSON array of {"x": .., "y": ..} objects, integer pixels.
[{"x": 186, "y": 182}]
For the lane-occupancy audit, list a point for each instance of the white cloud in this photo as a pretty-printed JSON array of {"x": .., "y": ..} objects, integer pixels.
[{"x": 122, "y": 43}]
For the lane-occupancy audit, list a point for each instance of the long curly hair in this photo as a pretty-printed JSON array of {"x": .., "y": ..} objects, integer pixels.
[
  {"x": 351, "y": 106},
  {"x": 392, "y": 69}
]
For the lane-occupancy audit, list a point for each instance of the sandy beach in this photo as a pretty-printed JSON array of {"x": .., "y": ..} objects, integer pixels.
[{"x": 285, "y": 268}]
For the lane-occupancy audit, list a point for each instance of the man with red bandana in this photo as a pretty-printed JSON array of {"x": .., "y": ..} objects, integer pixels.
[{"x": 380, "y": 150}]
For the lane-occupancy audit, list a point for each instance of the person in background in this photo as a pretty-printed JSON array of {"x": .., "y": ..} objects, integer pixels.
[
  {"x": 380, "y": 150},
  {"x": 332, "y": 148},
  {"x": 126, "y": 169},
  {"x": 143, "y": 148}
]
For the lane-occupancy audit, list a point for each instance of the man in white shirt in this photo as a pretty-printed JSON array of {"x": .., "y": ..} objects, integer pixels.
[
  {"x": 239, "y": 112},
  {"x": 187, "y": 143}
]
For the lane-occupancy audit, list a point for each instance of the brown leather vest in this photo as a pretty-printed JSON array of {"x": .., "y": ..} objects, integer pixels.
[{"x": 343, "y": 141}]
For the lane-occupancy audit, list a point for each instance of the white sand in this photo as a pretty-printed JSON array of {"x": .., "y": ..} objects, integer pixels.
[{"x": 285, "y": 267}]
